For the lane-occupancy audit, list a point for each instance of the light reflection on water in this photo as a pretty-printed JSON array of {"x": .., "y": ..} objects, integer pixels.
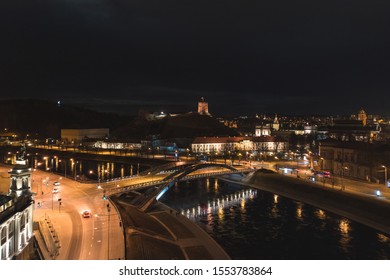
[
  {"x": 252, "y": 224},
  {"x": 218, "y": 205}
]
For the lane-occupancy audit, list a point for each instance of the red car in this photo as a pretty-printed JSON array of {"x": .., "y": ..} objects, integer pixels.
[{"x": 86, "y": 214}]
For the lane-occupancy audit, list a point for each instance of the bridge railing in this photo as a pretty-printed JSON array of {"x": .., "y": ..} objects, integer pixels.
[{"x": 161, "y": 182}]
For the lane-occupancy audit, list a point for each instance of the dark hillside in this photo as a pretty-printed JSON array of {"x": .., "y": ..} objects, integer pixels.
[
  {"x": 46, "y": 119},
  {"x": 188, "y": 125}
]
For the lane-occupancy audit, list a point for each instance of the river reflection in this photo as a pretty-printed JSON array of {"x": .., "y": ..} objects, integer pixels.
[
  {"x": 218, "y": 205},
  {"x": 252, "y": 224}
]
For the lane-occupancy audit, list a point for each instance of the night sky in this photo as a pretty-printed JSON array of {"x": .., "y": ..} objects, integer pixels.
[{"x": 244, "y": 57}]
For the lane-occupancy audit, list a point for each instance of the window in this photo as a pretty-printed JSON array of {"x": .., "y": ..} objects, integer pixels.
[
  {"x": 3, "y": 235},
  {"x": 22, "y": 222},
  {"x": 11, "y": 228}
]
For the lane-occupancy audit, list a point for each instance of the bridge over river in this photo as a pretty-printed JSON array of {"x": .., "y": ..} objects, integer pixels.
[
  {"x": 160, "y": 179},
  {"x": 154, "y": 231}
]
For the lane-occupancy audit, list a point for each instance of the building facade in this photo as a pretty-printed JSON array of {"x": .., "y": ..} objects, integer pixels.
[
  {"x": 16, "y": 214},
  {"x": 359, "y": 160},
  {"x": 203, "y": 107},
  {"x": 223, "y": 145}
]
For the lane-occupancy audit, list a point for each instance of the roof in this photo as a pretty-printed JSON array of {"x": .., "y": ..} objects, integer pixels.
[
  {"x": 4, "y": 199},
  {"x": 205, "y": 140}
]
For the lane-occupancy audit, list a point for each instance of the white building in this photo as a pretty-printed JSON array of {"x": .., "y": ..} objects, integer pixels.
[
  {"x": 16, "y": 214},
  {"x": 263, "y": 130},
  {"x": 266, "y": 144}
]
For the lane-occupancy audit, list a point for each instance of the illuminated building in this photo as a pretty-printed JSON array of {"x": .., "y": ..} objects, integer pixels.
[
  {"x": 263, "y": 130},
  {"x": 276, "y": 125},
  {"x": 362, "y": 116},
  {"x": 203, "y": 107},
  {"x": 16, "y": 215},
  {"x": 266, "y": 144}
]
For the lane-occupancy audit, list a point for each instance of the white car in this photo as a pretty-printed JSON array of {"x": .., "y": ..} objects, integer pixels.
[
  {"x": 56, "y": 190},
  {"x": 56, "y": 183}
]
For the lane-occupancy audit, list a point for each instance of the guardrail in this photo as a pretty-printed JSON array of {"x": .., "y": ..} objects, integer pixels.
[{"x": 50, "y": 237}]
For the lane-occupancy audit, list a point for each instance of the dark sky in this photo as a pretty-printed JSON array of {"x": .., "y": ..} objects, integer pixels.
[{"x": 244, "y": 57}]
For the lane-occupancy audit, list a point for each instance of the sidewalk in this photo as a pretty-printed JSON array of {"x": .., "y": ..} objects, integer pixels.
[
  {"x": 347, "y": 185},
  {"x": 61, "y": 229}
]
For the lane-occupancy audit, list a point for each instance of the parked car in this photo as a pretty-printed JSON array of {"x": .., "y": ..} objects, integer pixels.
[
  {"x": 55, "y": 190},
  {"x": 56, "y": 183}
]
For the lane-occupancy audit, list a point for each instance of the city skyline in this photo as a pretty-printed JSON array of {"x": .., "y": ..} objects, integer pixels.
[{"x": 244, "y": 58}]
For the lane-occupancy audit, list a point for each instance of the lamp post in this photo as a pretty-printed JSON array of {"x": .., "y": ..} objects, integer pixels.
[
  {"x": 52, "y": 199},
  {"x": 72, "y": 167},
  {"x": 385, "y": 167},
  {"x": 108, "y": 231},
  {"x": 342, "y": 176},
  {"x": 59, "y": 205}
]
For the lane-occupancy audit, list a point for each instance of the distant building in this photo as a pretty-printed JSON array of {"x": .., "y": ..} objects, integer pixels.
[
  {"x": 16, "y": 215},
  {"x": 263, "y": 130},
  {"x": 353, "y": 130},
  {"x": 276, "y": 125},
  {"x": 203, "y": 107},
  {"x": 266, "y": 144},
  {"x": 310, "y": 129},
  {"x": 267, "y": 127},
  {"x": 362, "y": 116},
  {"x": 358, "y": 160},
  {"x": 114, "y": 145}
]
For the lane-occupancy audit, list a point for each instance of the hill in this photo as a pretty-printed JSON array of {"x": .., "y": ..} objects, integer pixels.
[
  {"x": 188, "y": 125},
  {"x": 45, "y": 119}
]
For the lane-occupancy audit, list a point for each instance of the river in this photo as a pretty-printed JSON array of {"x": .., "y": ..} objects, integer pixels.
[{"x": 254, "y": 224}]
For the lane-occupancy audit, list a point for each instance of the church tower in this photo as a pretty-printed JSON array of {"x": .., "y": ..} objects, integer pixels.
[
  {"x": 362, "y": 116},
  {"x": 20, "y": 174},
  {"x": 203, "y": 107},
  {"x": 276, "y": 125}
]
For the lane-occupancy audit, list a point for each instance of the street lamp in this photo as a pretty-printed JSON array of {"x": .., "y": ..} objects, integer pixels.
[
  {"x": 385, "y": 175},
  {"x": 108, "y": 231},
  {"x": 342, "y": 176}
]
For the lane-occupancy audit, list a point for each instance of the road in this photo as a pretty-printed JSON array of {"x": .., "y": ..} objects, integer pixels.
[{"x": 80, "y": 238}]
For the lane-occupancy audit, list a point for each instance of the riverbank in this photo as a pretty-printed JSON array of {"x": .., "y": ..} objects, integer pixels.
[{"x": 370, "y": 211}]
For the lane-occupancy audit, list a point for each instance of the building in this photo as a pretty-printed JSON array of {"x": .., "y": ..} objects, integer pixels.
[
  {"x": 263, "y": 130},
  {"x": 276, "y": 125},
  {"x": 253, "y": 145},
  {"x": 111, "y": 144},
  {"x": 353, "y": 130},
  {"x": 269, "y": 146},
  {"x": 359, "y": 160},
  {"x": 16, "y": 215},
  {"x": 203, "y": 107},
  {"x": 362, "y": 116}
]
